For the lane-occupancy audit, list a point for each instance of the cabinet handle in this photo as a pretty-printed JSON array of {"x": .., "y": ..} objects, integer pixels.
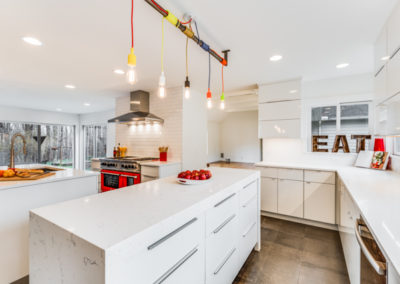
[
  {"x": 223, "y": 200},
  {"x": 249, "y": 229},
  {"x": 248, "y": 202},
  {"x": 224, "y": 261},
  {"x": 175, "y": 267},
  {"x": 246, "y": 186},
  {"x": 378, "y": 266},
  {"x": 163, "y": 239},
  {"x": 219, "y": 228},
  {"x": 395, "y": 52}
]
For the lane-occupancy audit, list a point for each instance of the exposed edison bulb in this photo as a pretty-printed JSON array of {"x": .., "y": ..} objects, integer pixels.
[
  {"x": 161, "y": 85},
  {"x": 131, "y": 75},
  {"x": 209, "y": 103},
  {"x": 222, "y": 105},
  {"x": 187, "y": 92}
]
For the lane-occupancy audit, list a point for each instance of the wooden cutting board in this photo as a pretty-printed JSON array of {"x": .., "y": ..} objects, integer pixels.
[{"x": 32, "y": 177}]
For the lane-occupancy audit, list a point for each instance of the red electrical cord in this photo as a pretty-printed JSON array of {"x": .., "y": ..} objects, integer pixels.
[
  {"x": 159, "y": 7},
  {"x": 188, "y": 22},
  {"x": 132, "y": 44}
]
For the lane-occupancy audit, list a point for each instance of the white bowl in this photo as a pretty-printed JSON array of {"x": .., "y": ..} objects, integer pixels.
[{"x": 192, "y": 181}]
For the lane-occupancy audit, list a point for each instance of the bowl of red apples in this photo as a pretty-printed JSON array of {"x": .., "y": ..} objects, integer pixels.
[{"x": 194, "y": 177}]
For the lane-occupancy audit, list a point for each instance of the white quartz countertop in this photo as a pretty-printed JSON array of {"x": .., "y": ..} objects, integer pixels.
[
  {"x": 109, "y": 218},
  {"x": 377, "y": 195},
  {"x": 59, "y": 175},
  {"x": 159, "y": 163}
]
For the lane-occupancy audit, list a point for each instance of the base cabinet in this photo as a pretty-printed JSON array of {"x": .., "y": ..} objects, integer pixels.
[
  {"x": 318, "y": 205},
  {"x": 290, "y": 198},
  {"x": 269, "y": 194}
]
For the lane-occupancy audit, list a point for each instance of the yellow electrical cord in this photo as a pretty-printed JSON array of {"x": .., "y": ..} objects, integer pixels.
[{"x": 162, "y": 45}]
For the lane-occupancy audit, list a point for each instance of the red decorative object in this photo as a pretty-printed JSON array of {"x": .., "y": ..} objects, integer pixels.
[
  {"x": 379, "y": 145},
  {"x": 163, "y": 156}
]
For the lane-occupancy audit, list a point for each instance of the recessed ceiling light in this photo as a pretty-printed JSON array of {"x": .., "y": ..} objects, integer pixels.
[
  {"x": 70, "y": 86},
  {"x": 58, "y": 109},
  {"x": 32, "y": 41},
  {"x": 86, "y": 104},
  {"x": 275, "y": 57},
  {"x": 385, "y": 58},
  {"x": 119, "y": 71},
  {"x": 342, "y": 65},
  {"x": 293, "y": 91}
]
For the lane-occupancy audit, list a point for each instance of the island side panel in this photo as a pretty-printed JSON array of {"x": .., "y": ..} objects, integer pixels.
[
  {"x": 15, "y": 204},
  {"x": 58, "y": 256}
]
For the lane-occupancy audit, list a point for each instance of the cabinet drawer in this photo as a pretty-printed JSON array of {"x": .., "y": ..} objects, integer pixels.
[
  {"x": 152, "y": 172},
  {"x": 319, "y": 176},
  {"x": 221, "y": 241},
  {"x": 166, "y": 249},
  {"x": 290, "y": 198},
  {"x": 319, "y": 202},
  {"x": 268, "y": 172},
  {"x": 226, "y": 270},
  {"x": 247, "y": 215},
  {"x": 248, "y": 192},
  {"x": 269, "y": 194},
  {"x": 246, "y": 243},
  {"x": 291, "y": 174},
  {"x": 221, "y": 211}
]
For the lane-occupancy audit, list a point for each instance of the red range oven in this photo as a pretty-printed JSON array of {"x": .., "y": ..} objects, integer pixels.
[{"x": 111, "y": 180}]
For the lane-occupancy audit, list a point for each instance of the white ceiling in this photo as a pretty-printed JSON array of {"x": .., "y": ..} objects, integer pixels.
[{"x": 83, "y": 41}]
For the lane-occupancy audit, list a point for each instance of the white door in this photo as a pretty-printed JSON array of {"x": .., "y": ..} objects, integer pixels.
[
  {"x": 319, "y": 202},
  {"x": 290, "y": 198},
  {"x": 269, "y": 194}
]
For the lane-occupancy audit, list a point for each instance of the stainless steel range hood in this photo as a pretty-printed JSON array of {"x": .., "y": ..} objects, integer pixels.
[{"x": 139, "y": 105}]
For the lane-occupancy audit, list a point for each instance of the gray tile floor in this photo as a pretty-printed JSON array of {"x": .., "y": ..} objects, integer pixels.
[{"x": 295, "y": 253}]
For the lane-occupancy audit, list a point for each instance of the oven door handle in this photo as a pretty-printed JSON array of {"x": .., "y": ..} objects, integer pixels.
[
  {"x": 129, "y": 176},
  {"x": 111, "y": 174},
  {"x": 378, "y": 266}
]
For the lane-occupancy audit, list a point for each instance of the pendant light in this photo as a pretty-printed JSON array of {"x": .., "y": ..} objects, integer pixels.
[
  {"x": 187, "y": 82},
  {"x": 222, "y": 103},
  {"x": 209, "y": 96},
  {"x": 131, "y": 73},
  {"x": 162, "y": 81}
]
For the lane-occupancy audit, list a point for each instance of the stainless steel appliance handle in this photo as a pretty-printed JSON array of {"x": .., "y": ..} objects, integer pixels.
[
  {"x": 378, "y": 266},
  {"x": 223, "y": 200},
  {"x": 111, "y": 174},
  {"x": 219, "y": 228},
  {"x": 224, "y": 261},
  {"x": 128, "y": 176},
  {"x": 163, "y": 239},
  {"x": 176, "y": 266}
]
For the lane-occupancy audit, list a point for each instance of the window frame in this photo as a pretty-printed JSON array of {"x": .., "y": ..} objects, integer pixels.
[
  {"x": 83, "y": 142},
  {"x": 338, "y": 105}
]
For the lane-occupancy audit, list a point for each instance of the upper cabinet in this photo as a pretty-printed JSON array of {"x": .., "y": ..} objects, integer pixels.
[
  {"x": 393, "y": 31},
  {"x": 279, "y": 110},
  {"x": 381, "y": 52}
]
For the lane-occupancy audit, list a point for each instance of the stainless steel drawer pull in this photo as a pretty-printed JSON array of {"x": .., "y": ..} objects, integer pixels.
[
  {"x": 129, "y": 176},
  {"x": 378, "y": 266},
  {"x": 224, "y": 261},
  {"x": 219, "y": 228},
  {"x": 246, "y": 186},
  {"x": 163, "y": 239},
  {"x": 223, "y": 200},
  {"x": 175, "y": 267},
  {"x": 248, "y": 230},
  {"x": 250, "y": 201}
]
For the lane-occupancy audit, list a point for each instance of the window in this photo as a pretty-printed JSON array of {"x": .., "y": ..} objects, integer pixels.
[
  {"x": 345, "y": 119},
  {"x": 45, "y": 144},
  {"x": 94, "y": 143}
]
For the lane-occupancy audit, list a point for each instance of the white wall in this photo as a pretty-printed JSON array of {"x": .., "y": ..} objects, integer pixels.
[
  {"x": 213, "y": 137},
  {"x": 239, "y": 137}
]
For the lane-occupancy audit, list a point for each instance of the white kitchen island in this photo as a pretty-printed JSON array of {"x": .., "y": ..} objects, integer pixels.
[
  {"x": 158, "y": 231},
  {"x": 18, "y": 197}
]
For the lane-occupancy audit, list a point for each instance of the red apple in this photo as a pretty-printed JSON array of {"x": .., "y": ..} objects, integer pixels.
[{"x": 203, "y": 177}]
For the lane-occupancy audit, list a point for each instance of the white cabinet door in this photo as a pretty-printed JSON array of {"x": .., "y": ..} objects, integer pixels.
[
  {"x": 393, "y": 71},
  {"x": 290, "y": 198},
  {"x": 282, "y": 91},
  {"x": 393, "y": 30},
  {"x": 279, "y": 128},
  {"x": 381, "y": 51},
  {"x": 319, "y": 202},
  {"x": 380, "y": 92},
  {"x": 279, "y": 110},
  {"x": 269, "y": 194}
]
